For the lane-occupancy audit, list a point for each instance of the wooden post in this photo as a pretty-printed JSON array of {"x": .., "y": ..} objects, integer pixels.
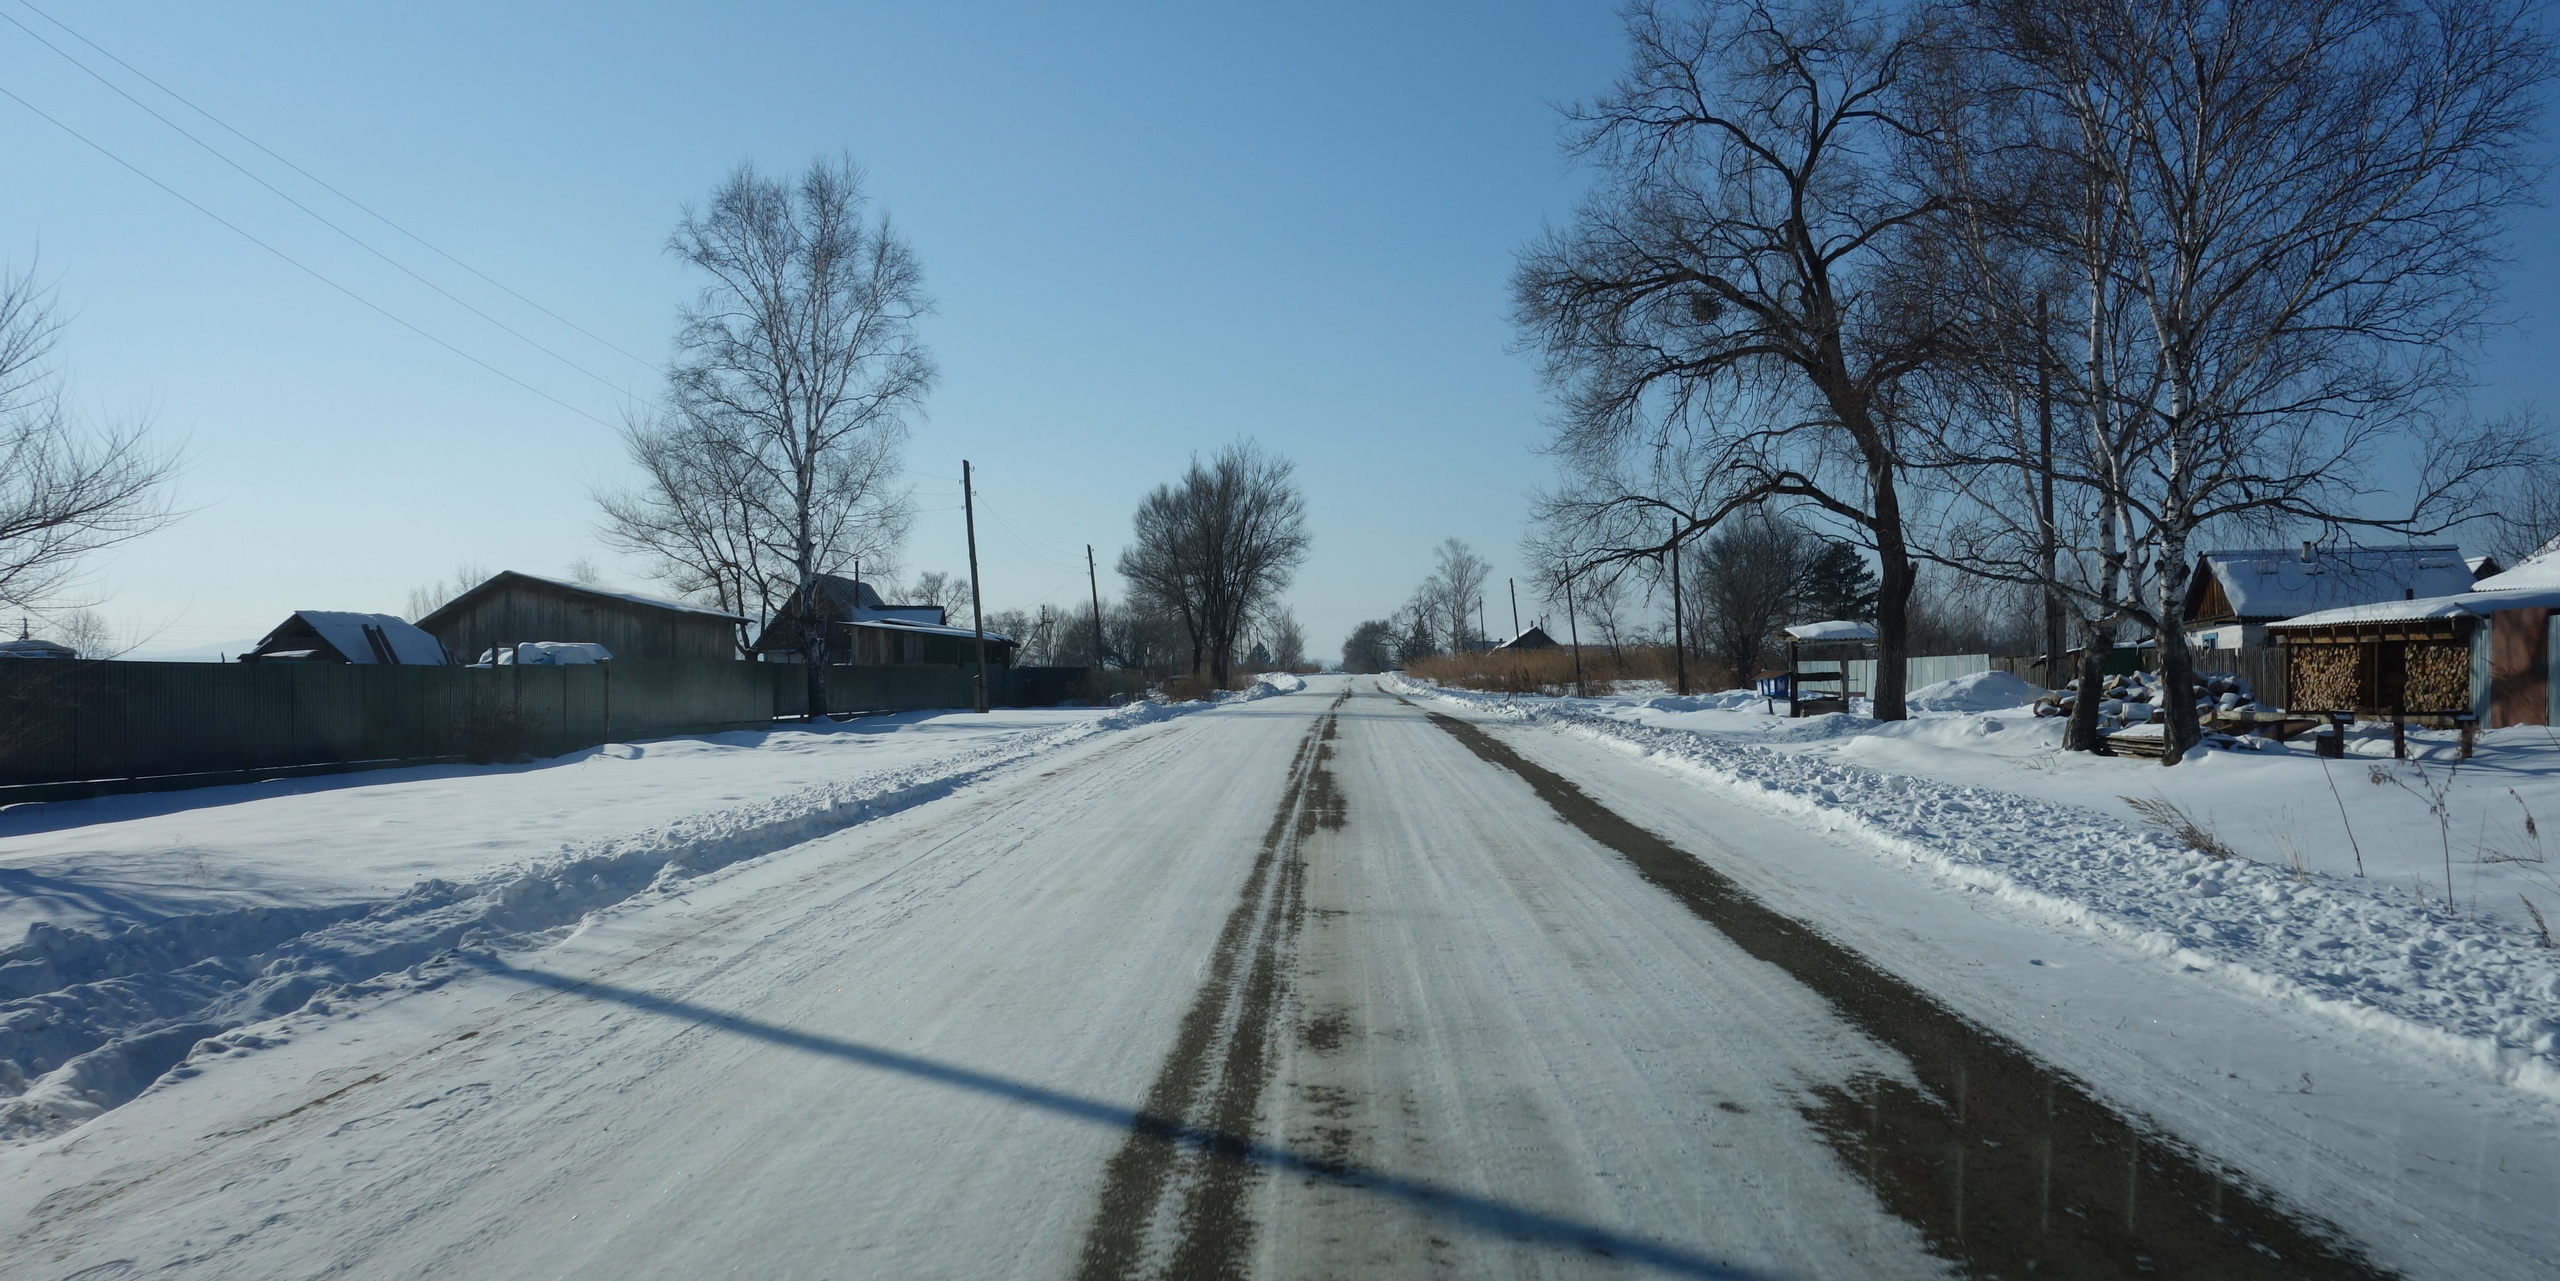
[
  {"x": 2400, "y": 732},
  {"x": 977, "y": 608},
  {"x": 1679, "y": 639},
  {"x": 2470, "y": 732},
  {"x": 1574, "y": 626},
  {"x": 1093, "y": 579}
]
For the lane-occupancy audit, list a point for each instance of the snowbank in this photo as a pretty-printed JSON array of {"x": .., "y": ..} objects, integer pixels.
[
  {"x": 1978, "y": 692},
  {"x": 2477, "y": 992}
]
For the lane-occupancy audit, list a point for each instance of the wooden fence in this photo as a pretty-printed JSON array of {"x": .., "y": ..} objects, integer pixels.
[{"x": 80, "y": 728}]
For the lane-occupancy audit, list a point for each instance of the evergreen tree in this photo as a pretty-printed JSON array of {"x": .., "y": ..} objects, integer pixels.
[{"x": 1838, "y": 584}]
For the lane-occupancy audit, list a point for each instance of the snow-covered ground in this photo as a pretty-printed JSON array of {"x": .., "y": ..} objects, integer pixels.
[
  {"x": 149, "y": 922},
  {"x": 927, "y": 1008},
  {"x": 1980, "y": 794}
]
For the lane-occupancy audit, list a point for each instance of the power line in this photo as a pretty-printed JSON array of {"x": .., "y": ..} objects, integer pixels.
[
  {"x": 295, "y": 263},
  {"x": 324, "y": 186},
  {"x": 315, "y": 214}
]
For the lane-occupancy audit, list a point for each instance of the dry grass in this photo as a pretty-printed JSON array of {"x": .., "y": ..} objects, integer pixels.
[
  {"x": 1550, "y": 671},
  {"x": 2163, "y": 813}
]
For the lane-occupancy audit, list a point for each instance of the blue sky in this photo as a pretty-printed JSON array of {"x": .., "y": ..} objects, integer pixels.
[{"x": 1150, "y": 230}]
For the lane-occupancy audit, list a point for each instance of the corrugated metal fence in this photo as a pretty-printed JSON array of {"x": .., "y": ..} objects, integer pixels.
[{"x": 75, "y": 728}]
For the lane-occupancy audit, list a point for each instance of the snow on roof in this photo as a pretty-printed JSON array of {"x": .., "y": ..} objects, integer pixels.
[
  {"x": 345, "y": 633},
  {"x": 879, "y": 619},
  {"x": 2282, "y": 583},
  {"x": 2541, "y": 569},
  {"x": 2474, "y": 604},
  {"x": 35, "y": 647},
  {"x": 1838, "y": 629}
]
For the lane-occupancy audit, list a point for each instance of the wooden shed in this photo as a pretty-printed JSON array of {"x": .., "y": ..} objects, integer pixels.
[
  {"x": 511, "y": 608},
  {"x": 864, "y": 631},
  {"x": 2486, "y": 654}
]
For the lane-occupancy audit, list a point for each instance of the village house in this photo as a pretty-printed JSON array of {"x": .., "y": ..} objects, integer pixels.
[
  {"x": 337, "y": 636},
  {"x": 863, "y": 630},
  {"x": 2234, "y": 595},
  {"x": 512, "y": 609}
]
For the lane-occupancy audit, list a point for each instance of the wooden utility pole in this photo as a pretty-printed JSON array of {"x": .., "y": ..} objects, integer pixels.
[
  {"x": 1574, "y": 626},
  {"x": 977, "y": 605},
  {"x": 1515, "y": 607},
  {"x": 1679, "y": 636},
  {"x": 1093, "y": 579}
]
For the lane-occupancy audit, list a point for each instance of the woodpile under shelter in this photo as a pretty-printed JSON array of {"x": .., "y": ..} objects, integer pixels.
[
  {"x": 2492, "y": 653},
  {"x": 2234, "y": 595},
  {"x": 512, "y": 608},
  {"x": 337, "y": 636},
  {"x": 864, "y": 631}
]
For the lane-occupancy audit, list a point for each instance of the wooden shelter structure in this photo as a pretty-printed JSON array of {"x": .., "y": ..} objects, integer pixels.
[
  {"x": 1818, "y": 656},
  {"x": 513, "y": 608}
]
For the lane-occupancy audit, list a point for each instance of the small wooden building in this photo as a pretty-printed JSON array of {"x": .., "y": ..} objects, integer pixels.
[
  {"x": 2486, "y": 654},
  {"x": 1534, "y": 638},
  {"x": 2234, "y": 595},
  {"x": 864, "y": 631},
  {"x": 337, "y": 636},
  {"x": 513, "y": 608}
]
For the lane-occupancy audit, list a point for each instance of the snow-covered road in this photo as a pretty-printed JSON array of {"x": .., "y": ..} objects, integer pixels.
[{"x": 1314, "y": 985}]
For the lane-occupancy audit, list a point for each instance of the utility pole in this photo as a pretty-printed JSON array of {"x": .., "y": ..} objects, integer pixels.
[
  {"x": 1093, "y": 579},
  {"x": 977, "y": 606},
  {"x": 1679, "y": 637},
  {"x": 2048, "y": 539},
  {"x": 1515, "y": 607},
  {"x": 1574, "y": 626}
]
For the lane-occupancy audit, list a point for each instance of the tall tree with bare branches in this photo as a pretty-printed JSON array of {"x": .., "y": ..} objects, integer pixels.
[
  {"x": 1727, "y": 318},
  {"x": 2278, "y": 225},
  {"x": 1217, "y": 546},
  {"x": 797, "y": 370},
  {"x": 68, "y": 489}
]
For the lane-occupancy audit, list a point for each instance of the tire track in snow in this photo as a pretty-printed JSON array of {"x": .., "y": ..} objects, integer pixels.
[
  {"x": 1183, "y": 1178},
  {"x": 2007, "y": 1165}
]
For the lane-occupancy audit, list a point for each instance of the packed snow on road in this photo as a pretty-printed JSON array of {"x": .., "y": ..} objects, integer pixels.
[{"x": 1340, "y": 976}]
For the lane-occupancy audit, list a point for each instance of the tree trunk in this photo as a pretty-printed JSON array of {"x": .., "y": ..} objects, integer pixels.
[
  {"x": 2081, "y": 735},
  {"x": 2177, "y": 666},
  {"x": 1895, "y": 577}
]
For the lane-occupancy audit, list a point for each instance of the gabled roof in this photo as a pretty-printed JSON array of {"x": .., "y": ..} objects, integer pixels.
[
  {"x": 438, "y": 615},
  {"x": 346, "y": 633},
  {"x": 2283, "y": 583},
  {"x": 1534, "y": 638}
]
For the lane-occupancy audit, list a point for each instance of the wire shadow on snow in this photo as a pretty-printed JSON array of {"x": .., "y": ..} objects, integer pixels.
[{"x": 1480, "y": 1213}]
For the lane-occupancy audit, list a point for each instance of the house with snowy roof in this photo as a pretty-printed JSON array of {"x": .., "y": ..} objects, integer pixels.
[
  {"x": 339, "y": 636},
  {"x": 864, "y": 630},
  {"x": 514, "y": 609},
  {"x": 2234, "y": 595}
]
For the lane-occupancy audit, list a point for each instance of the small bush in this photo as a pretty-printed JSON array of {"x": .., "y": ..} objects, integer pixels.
[{"x": 2198, "y": 835}]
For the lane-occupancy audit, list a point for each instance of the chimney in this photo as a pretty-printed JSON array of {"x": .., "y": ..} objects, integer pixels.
[{"x": 2306, "y": 551}]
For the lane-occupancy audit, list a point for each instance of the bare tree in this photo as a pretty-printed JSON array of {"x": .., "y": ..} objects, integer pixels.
[
  {"x": 1453, "y": 593},
  {"x": 1728, "y": 318},
  {"x": 950, "y": 591},
  {"x": 432, "y": 597},
  {"x": 2281, "y": 219},
  {"x": 67, "y": 489},
  {"x": 1286, "y": 640},
  {"x": 1215, "y": 546},
  {"x": 1370, "y": 648},
  {"x": 777, "y": 456},
  {"x": 1744, "y": 584}
]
